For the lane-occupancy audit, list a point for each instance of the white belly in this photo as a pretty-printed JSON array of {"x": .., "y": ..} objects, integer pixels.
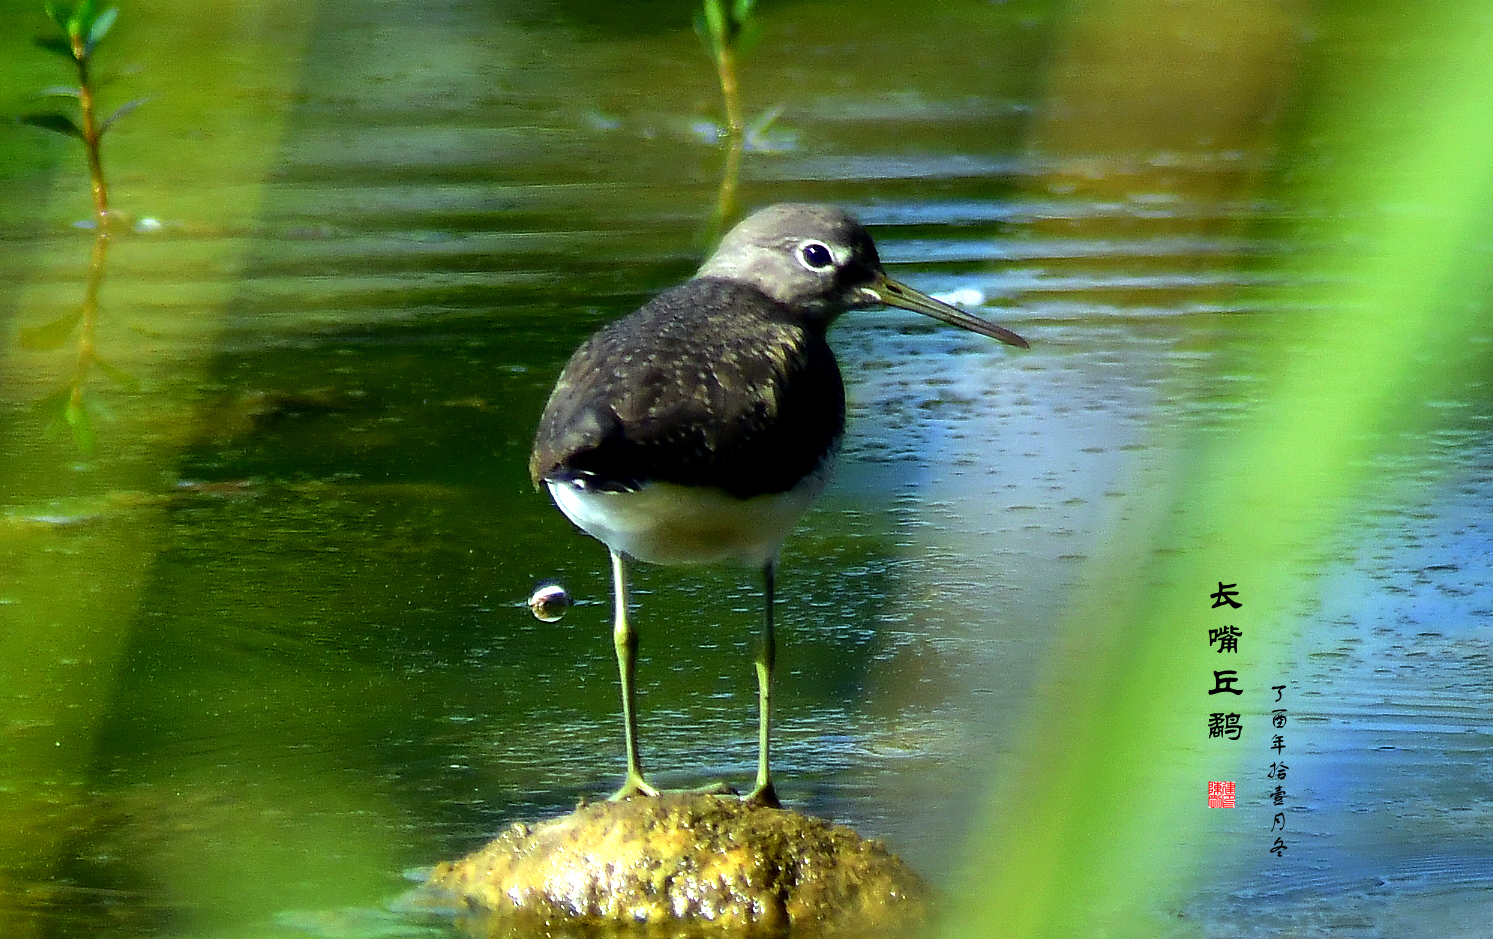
[{"x": 665, "y": 523}]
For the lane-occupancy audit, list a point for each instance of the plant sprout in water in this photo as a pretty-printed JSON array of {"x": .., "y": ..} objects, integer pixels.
[{"x": 83, "y": 28}]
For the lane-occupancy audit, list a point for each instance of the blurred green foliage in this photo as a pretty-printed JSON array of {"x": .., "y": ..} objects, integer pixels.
[{"x": 1393, "y": 196}]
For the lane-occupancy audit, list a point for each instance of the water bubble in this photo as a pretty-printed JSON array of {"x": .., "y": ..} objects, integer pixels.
[{"x": 549, "y": 602}]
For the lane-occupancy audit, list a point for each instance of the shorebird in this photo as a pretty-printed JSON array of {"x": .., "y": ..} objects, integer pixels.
[{"x": 699, "y": 428}]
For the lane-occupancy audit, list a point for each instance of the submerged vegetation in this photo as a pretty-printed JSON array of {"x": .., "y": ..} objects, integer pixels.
[
  {"x": 729, "y": 31},
  {"x": 83, "y": 27}
]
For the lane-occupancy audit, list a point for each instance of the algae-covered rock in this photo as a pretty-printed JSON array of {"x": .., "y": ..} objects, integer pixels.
[{"x": 685, "y": 865}]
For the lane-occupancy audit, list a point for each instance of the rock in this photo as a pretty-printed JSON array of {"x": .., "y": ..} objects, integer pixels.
[{"x": 685, "y": 864}]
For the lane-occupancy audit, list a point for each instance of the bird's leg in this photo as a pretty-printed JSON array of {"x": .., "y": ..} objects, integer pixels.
[
  {"x": 626, "y": 641},
  {"x": 762, "y": 793}
]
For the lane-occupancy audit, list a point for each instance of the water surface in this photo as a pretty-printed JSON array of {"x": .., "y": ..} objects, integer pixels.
[{"x": 267, "y": 644}]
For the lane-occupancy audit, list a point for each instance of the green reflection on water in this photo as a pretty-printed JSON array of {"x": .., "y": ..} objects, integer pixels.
[{"x": 1396, "y": 322}]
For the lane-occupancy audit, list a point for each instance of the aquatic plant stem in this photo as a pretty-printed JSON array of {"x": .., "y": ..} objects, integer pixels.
[
  {"x": 90, "y": 131},
  {"x": 725, "y": 201}
]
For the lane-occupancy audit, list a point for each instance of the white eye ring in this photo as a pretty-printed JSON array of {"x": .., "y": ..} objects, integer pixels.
[{"x": 815, "y": 256}]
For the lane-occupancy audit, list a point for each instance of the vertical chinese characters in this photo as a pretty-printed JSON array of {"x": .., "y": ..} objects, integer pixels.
[
  {"x": 1277, "y": 772},
  {"x": 1225, "y": 723}
]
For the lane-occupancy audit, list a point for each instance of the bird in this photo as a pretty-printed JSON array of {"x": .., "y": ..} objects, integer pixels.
[{"x": 699, "y": 428}]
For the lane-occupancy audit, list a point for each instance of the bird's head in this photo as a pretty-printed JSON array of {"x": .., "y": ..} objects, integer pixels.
[{"x": 821, "y": 262}]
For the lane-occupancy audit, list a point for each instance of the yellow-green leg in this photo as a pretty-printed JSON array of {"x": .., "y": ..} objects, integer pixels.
[
  {"x": 767, "y": 652},
  {"x": 626, "y": 641}
]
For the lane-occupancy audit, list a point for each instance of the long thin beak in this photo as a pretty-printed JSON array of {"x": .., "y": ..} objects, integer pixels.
[{"x": 893, "y": 293}]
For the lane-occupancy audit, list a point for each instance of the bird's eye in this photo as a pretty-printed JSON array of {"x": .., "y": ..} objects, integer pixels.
[{"x": 815, "y": 255}]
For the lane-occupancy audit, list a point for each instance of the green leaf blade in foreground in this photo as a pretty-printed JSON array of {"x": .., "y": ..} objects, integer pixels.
[
  {"x": 55, "y": 44},
  {"x": 715, "y": 21},
  {"x": 53, "y": 409},
  {"x": 702, "y": 29},
  {"x": 119, "y": 112},
  {"x": 101, "y": 26},
  {"x": 749, "y": 36},
  {"x": 50, "y": 336},
  {"x": 80, "y": 419},
  {"x": 58, "y": 123},
  {"x": 82, "y": 19},
  {"x": 60, "y": 13},
  {"x": 741, "y": 10},
  {"x": 117, "y": 375}
]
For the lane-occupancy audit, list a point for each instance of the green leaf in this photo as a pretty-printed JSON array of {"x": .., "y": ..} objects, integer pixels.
[
  {"x": 715, "y": 19},
  {"x": 119, "y": 112},
  {"x": 67, "y": 407},
  {"x": 80, "y": 419},
  {"x": 55, "y": 44},
  {"x": 52, "y": 409},
  {"x": 60, "y": 14},
  {"x": 52, "y": 405},
  {"x": 82, "y": 19},
  {"x": 741, "y": 11},
  {"x": 117, "y": 375},
  {"x": 747, "y": 39},
  {"x": 702, "y": 29},
  {"x": 49, "y": 336},
  {"x": 97, "y": 410},
  {"x": 101, "y": 26},
  {"x": 53, "y": 121},
  {"x": 764, "y": 122}
]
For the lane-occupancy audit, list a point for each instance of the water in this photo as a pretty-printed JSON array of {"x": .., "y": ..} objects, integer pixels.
[{"x": 267, "y": 648}]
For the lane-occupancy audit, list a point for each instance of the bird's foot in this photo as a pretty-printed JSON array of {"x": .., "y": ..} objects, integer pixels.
[
  {"x": 633, "y": 786},
  {"x": 764, "y": 796},
  {"x": 640, "y": 788}
]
